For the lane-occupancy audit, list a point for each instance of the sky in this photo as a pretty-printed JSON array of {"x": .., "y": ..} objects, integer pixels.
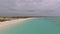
[{"x": 29, "y": 7}]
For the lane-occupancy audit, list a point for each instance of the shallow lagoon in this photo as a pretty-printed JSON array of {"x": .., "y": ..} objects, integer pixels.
[{"x": 36, "y": 26}]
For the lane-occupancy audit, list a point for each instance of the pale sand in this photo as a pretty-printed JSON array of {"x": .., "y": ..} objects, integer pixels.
[{"x": 12, "y": 23}]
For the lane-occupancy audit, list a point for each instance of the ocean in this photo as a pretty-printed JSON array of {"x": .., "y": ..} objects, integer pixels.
[{"x": 42, "y": 25}]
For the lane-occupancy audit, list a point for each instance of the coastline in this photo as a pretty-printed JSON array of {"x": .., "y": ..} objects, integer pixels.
[{"x": 11, "y": 23}]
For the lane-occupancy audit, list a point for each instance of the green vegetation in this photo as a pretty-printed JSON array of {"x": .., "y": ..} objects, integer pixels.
[{"x": 6, "y": 18}]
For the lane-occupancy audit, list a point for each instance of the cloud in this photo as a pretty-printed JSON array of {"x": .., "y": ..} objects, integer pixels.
[
  {"x": 30, "y": 7},
  {"x": 30, "y": 4},
  {"x": 37, "y": 4}
]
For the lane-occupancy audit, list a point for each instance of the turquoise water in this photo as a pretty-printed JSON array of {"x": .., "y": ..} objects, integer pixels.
[{"x": 36, "y": 26}]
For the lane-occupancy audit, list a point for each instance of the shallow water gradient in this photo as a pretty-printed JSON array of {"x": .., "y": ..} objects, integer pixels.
[{"x": 36, "y": 26}]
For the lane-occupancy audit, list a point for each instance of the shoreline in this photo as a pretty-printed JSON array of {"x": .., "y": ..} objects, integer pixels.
[{"x": 11, "y": 23}]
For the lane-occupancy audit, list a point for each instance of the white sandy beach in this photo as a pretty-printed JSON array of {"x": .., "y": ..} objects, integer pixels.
[{"x": 12, "y": 23}]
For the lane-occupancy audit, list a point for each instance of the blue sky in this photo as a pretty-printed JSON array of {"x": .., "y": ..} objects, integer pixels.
[{"x": 30, "y": 7}]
